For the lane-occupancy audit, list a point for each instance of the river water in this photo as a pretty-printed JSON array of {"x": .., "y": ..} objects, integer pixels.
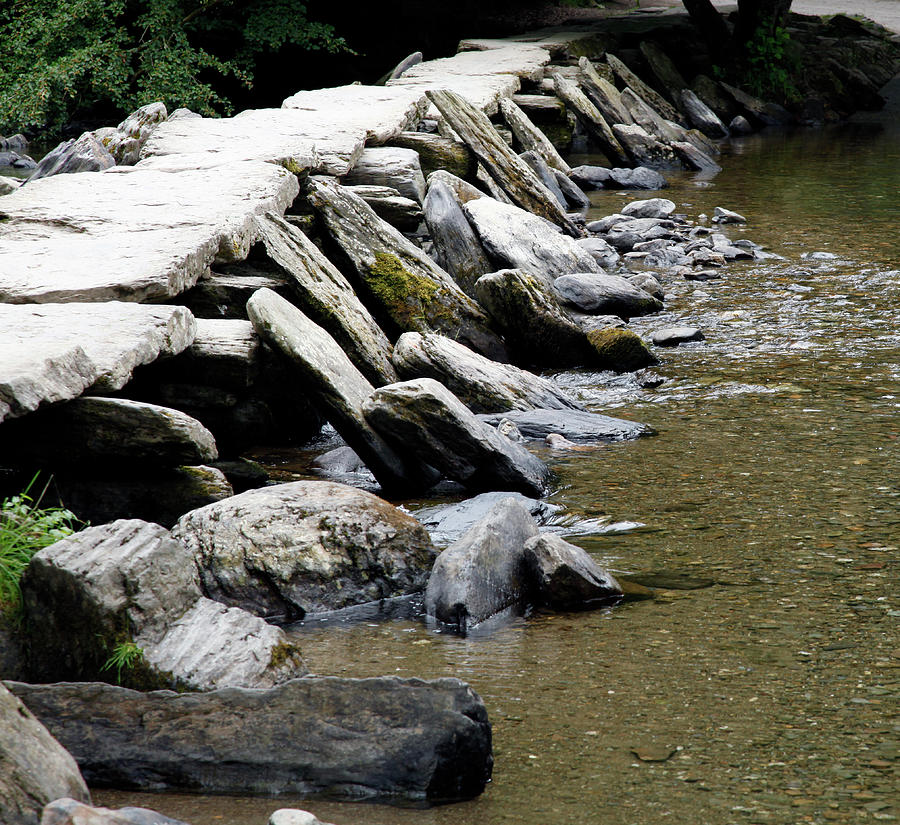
[{"x": 761, "y": 685}]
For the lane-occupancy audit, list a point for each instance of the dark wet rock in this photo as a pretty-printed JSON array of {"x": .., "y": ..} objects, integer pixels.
[
  {"x": 768, "y": 113},
  {"x": 516, "y": 239},
  {"x": 602, "y": 93},
  {"x": 605, "y": 295},
  {"x": 731, "y": 252},
  {"x": 456, "y": 246},
  {"x": 653, "y": 98},
  {"x": 448, "y": 522},
  {"x": 590, "y": 118},
  {"x": 427, "y": 419},
  {"x": 579, "y": 426},
  {"x": 638, "y": 178},
  {"x": 649, "y": 283},
  {"x": 404, "y": 284},
  {"x": 620, "y": 350},
  {"x": 723, "y": 215},
  {"x": 673, "y": 336},
  {"x": 34, "y": 768},
  {"x": 305, "y": 547},
  {"x": 68, "y": 811},
  {"x": 588, "y": 322},
  {"x": 706, "y": 257},
  {"x": 715, "y": 97},
  {"x": 338, "y": 386},
  {"x": 14, "y": 143},
  {"x": 339, "y": 462},
  {"x": 510, "y": 173},
  {"x": 484, "y": 571},
  {"x": 665, "y": 71},
  {"x": 650, "y": 120},
  {"x": 645, "y": 149},
  {"x": 739, "y": 125},
  {"x": 108, "y": 430},
  {"x": 160, "y": 495},
  {"x": 400, "y": 212},
  {"x": 701, "y": 116},
  {"x": 481, "y": 384},
  {"x": 534, "y": 324},
  {"x": 606, "y": 223},
  {"x": 604, "y": 253},
  {"x": 565, "y": 577},
  {"x": 530, "y": 137},
  {"x": 664, "y": 256},
  {"x": 130, "y": 582},
  {"x": 649, "y": 208},
  {"x": 698, "y": 274},
  {"x": 545, "y": 173},
  {"x": 384, "y": 738},
  {"x": 436, "y": 152},
  {"x": 84, "y": 154},
  {"x": 389, "y": 166},
  {"x": 575, "y": 198}
]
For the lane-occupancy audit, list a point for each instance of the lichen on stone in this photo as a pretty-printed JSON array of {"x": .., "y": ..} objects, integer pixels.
[
  {"x": 407, "y": 296},
  {"x": 620, "y": 350}
]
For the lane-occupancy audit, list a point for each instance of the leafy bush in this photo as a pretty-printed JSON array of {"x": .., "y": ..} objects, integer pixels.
[
  {"x": 63, "y": 59},
  {"x": 25, "y": 528},
  {"x": 769, "y": 63}
]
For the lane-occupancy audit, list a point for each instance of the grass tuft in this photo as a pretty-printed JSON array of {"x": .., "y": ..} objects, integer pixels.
[{"x": 25, "y": 528}]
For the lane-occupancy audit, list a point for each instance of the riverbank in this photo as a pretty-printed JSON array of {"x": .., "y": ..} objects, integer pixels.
[{"x": 566, "y": 466}]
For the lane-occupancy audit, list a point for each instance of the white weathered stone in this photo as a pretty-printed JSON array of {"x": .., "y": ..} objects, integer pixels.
[
  {"x": 516, "y": 239},
  {"x": 390, "y": 166},
  {"x": 130, "y": 233},
  {"x": 54, "y": 352}
]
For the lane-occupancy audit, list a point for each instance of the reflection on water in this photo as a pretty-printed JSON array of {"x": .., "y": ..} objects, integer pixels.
[{"x": 775, "y": 478}]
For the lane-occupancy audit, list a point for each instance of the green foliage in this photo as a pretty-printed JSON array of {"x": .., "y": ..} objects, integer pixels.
[
  {"x": 125, "y": 656},
  {"x": 768, "y": 63},
  {"x": 25, "y": 528},
  {"x": 67, "y": 58}
]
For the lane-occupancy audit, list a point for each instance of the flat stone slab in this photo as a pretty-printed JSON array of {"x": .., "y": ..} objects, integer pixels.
[
  {"x": 352, "y": 738},
  {"x": 380, "y": 112},
  {"x": 54, "y": 352},
  {"x": 131, "y": 233},
  {"x": 483, "y": 91}
]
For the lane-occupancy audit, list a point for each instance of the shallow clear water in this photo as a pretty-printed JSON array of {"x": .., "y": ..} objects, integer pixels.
[{"x": 770, "y": 687}]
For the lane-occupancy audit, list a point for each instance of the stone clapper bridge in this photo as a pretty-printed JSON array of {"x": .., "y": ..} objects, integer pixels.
[{"x": 92, "y": 267}]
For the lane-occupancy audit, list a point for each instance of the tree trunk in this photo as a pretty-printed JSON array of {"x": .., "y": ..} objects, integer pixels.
[
  {"x": 712, "y": 26},
  {"x": 756, "y": 14}
]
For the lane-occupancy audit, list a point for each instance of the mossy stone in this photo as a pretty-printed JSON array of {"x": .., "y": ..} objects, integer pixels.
[{"x": 620, "y": 350}]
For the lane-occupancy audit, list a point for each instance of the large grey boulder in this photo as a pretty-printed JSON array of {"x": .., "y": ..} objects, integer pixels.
[
  {"x": 484, "y": 571},
  {"x": 518, "y": 240},
  {"x": 325, "y": 295},
  {"x": 405, "y": 285},
  {"x": 650, "y": 120},
  {"x": 545, "y": 173},
  {"x": 68, "y": 811},
  {"x": 565, "y": 577},
  {"x": 391, "y": 166},
  {"x": 602, "y": 252},
  {"x": 427, "y": 419},
  {"x": 575, "y": 198},
  {"x": 649, "y": 208},
  {"x": 536, "y": 327},
  {"x": 602, "y": 294},
  {"x": 448, "y": 522},
  {"x": 56, "y": 351},
  {"x": 641, "y": 177},
  {"x": 338, "y": 387},
  {"x": 108, "y": 430},
  {"x": 305, "y": 547},
  {"x": 575, "y": 425},
  {"x": 83, "y": 154},
  {"x": 130, "y": 582},
  {"x": 353, "y": 738},
  {"x": 34, "y": 768},
  {"x": 481, "y": 384},
  {"x": 456, "y": 246}
]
